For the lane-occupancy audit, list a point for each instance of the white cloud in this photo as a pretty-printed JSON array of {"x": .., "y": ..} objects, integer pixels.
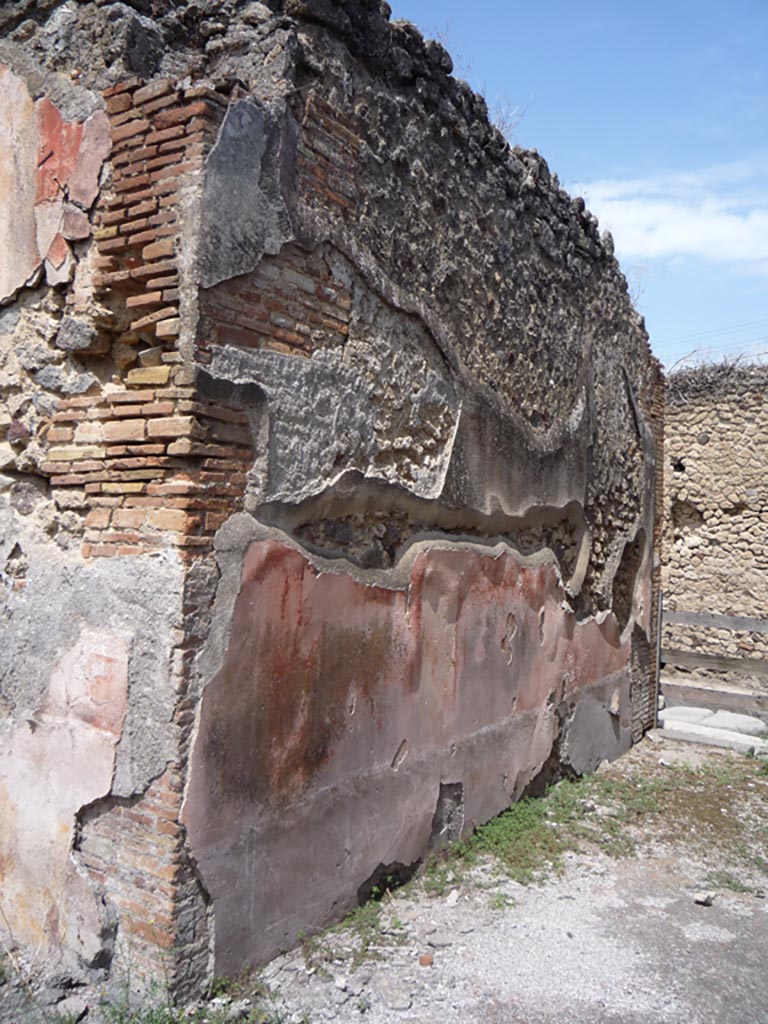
[{"x": 719, "y": 213}]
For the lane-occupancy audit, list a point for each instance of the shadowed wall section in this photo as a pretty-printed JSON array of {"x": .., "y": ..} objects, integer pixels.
[{"x": 343, "y": 705}]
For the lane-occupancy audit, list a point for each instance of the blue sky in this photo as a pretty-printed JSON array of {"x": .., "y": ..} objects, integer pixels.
[{"x": 657, "y": 113}]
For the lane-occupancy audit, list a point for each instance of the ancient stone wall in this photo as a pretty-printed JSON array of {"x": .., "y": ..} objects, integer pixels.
[
  {"x": 716, "y": 501},
  {"x": 328, "y": 475}
]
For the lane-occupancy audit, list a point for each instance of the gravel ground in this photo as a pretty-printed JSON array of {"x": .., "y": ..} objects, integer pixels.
[
  {"x": 676, "y": 932},
  {"x": 647, "y": 939}
]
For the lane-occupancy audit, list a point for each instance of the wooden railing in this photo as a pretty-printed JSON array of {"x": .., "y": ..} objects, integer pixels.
[{"x": 716, "y": 662}]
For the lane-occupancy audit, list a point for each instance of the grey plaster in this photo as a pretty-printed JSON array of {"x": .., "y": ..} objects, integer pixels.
[
  {"x": 350, "y": 427},
  {"x": 598, "y": 728},
  {"x": 243, "y": 215}
]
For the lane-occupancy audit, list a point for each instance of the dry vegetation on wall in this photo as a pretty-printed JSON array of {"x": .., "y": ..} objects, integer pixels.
[{"x": 716, "y": 502}]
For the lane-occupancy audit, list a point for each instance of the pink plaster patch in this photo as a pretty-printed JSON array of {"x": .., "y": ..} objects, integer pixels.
[
  {"x": 58, "y": 146},
  {"x": 75, "y": 224},
  {"x": 52, "y": 765},
  {"x": 58, "y": 251},
  {"x": 44, "y": 161},
  {"x": 94, "y": 150},
  {"x": 90, "y": 682}
]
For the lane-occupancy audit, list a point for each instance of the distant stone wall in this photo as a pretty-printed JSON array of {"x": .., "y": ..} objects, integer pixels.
[
  {"x": 329, "y": 452},
  {"x": 716, "y": 504}
]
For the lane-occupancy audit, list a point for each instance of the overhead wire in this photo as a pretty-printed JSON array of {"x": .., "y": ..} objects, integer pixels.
[{"x": 716, "y": 332}]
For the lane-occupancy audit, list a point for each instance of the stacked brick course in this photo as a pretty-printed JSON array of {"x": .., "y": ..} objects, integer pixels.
[
  {"x": 158, "y": 465},
  {"x": 328, "y": 158},
  {"x": 292, "y": 304}
]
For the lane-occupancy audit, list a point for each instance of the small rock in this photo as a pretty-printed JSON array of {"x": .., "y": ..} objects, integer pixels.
[
  {"x": 439, "y": 940},
  {"x": 452, "y": 898},
  {"x": 355, "y": 986},
  {"x": 73, "y": 1008},
  {"x": 391, "y": 994},
  {"x": 340, "y": 982},
  {"x": 704, "y": 899},
  {"x": 426, "y": 960}
]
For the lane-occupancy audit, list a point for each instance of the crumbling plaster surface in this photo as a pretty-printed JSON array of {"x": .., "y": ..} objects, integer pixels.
[
  {"x": 443, "y": 578},
  {"x": 87, "y": 702},
  {"x": 476, "y": 386},
  {"x": 347, "y": 698},
  {"x": 49, "y": 173}
]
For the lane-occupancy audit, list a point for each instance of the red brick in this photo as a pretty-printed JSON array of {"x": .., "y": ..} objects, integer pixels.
[
  {"x": 146, "y": 299},
  {"x": 172, "y": 117},
  {"x": 178, "y": 131},
  {"x": 167, "y": 519},
  {"x": 168, "y": 173},
  {"x": 132, "y": 518},
  {"x": 125, "y": 199},
  {"x": 137, "y": 181},
  {"x": 190, "y": 142},
  {"x": 162, "y": 161},
  {"x": 157, "y": 409},
  {"x": 165, "y": 101},
  {"x": 59, "y": 434},
  {"x": 159, "y": 87},
  {"x": 99, "y": 550},
  {"x": 129, "y": 130},
  {"x": 130, "y": 227},
  {"x": 125, "y": 430},
  {"x": 98, "y": 517},
  {"x": 143, "y": 237},
  {"x": 147, "y": 270},
  {"x": 112, "y": 244},
  {"x": 168, "y": 328},
  {"x": 172, "y": 426},
  {"x": 125, "y": 86},
  {"x": 114, "y": 277},
  {"x": 118, "y": 103},
  {"x": 140, "y": 209},
  {"x": 153, "y": 318},
  {"x": 165, "y": 247},
  {"x": 118, "y": 397},
  {"x": 163, "y": 282},
  {"x": 116, "y": 120}
]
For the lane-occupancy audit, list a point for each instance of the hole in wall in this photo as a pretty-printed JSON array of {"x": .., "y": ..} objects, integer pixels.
[
  {"x": 678, "y": 466},
  {"x": 510, "y": 632},
  {"x": 625, "y": 578},
  {"x": 15, "y": 568},
  {"x": 685, "y": 517},
  {"x": 386, "y": 878},
  {"x": 448, "y": 819}
]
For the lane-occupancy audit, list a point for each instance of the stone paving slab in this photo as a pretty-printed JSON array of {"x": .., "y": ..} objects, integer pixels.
[
  {"x": 692, "y": 732},
  {"x": 749, "y": 725}
]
